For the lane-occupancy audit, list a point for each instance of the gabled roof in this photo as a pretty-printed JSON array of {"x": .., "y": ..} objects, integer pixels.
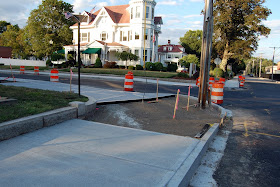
[
  {"x": 175, "y": 49},
  {"x": 118, "y": 14}
]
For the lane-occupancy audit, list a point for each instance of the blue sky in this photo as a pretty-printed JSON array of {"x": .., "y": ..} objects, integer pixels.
[{"x": 179, "y": 16}]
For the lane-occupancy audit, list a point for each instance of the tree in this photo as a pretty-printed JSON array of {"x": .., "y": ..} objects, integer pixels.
[
  {"x": 186, "y": 60},
  {"x": 125, "y": 56},
  {"x": 3, "y": 26},
  {"x": 49, "y": 23},
  {"x": 237, "y": 26},
  {"x": 14, "y": 37},
  {"x": 192, "y": 42}
]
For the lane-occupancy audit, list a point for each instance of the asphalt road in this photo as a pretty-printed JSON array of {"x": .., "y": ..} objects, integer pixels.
[{"x": 252, "y": 155}]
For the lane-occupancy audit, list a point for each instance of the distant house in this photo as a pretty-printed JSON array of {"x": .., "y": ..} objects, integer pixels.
[
  {"x": 5, "y": 52},
  {"x": 119, "y": 28},
  {"x": 276, "y": 69},
  {"x": 171, "y": 53}
]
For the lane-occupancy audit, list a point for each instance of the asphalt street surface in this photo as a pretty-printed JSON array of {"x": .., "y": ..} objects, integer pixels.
[{"x": 252, "y": 155}]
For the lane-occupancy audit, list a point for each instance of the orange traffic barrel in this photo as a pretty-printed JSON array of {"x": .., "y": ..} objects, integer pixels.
[
  {"x": 21, "y": 70},
  {"x": 211, "y": 81},
  {"x": 241, "y": 83},
  {"x": 197, "y": 82},
  {"x": 222, "y": 80},
  {"x": 217, "y": 93},
  {"x": 128, "y": 82},
  {"x": 54, "y": 75},
  {"x": 36, "y": 70}
]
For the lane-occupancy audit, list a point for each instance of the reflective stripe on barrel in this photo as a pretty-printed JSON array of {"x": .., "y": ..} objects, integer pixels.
[
  {"x": 217, "y": 93},
  {"x": 197, "y": 82},
  {"x": 21, "y": 70},
  {"x": 241, "y": 83},
  {"x": 211, "y": 81},
  {"x": 36, "y": 70},
  {"x": 54, "y": 75},
  {"x": 222, "y": 80},
  {"x": 128, "y": 82}
]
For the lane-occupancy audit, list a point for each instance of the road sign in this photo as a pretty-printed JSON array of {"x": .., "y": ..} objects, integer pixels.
[{"x": 217, "y": 61}]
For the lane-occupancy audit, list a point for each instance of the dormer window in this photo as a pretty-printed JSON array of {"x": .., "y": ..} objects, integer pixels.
[
  {"x": 170, "y": 49},
  {"x": 164, "y": 48}
]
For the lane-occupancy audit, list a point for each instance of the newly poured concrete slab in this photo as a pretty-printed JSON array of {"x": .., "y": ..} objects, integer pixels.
[{"x": 83, "y": 153}]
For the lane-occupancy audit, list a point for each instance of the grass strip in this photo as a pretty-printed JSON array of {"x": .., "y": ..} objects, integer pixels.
[{"x": 33, "y": 101}]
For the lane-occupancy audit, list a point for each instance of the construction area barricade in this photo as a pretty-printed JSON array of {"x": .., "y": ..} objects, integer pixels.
[
  {"x": 211, "y": 81},
  {"x": 36, "y": 70},
  {"x": 222, "y": 80},
  {"x": 197, "y": 82},
  {"x": 217, "y": 93},
  {"x": 241, "y": 80},
  {"x": 128, "y": 82},
  {"x": 54, "y": 75},
  {"x": 21, "y": 70}
]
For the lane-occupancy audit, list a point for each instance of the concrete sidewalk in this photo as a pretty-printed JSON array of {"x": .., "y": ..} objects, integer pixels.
[{"x": 101, "y": 95}]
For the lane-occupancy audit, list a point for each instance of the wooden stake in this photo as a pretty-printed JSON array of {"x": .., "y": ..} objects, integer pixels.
[
  {"x": 189, "y": 97},
  {"x": 176, "y": 104},
  {"x": 12, "y": 73},
  {"x": 157, "y": 91}
]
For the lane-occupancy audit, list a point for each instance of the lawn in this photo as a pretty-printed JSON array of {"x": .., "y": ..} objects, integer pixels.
[
  {"x": 26, "y": 67},
  {"x": 33, "y": 101}
]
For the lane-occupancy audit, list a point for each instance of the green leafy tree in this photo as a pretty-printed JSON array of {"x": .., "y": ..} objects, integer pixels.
[
  {"x": 14, "y": 37},
  {"x": 125, "y": 56},
  {"x": 3, "y": 26},
  {"x": 47, "y": 23},
  {"x": 186, "y": 60},
  {"x": 237, "y": 26},
  {"x": 192, "y": 42}
]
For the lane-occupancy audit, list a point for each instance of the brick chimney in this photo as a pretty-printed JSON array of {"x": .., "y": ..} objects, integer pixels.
[{"x": 168, "y": 42}]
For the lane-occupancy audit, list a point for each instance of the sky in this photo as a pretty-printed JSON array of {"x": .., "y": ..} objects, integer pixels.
[{"x": 179, "y": 16}]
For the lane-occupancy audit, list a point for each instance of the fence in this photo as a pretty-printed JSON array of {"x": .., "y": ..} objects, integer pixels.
[{"x": 20, "y": 62}]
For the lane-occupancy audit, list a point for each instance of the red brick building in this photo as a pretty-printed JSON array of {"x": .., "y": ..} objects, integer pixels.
[{"x": 5, "y": 52}]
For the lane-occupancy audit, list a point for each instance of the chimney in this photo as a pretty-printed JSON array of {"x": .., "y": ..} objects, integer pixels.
[{"x": 168, "y": 42}]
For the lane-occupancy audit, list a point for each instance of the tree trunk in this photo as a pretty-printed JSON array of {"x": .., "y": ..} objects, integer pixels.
[{"x": 226, "y": 56}]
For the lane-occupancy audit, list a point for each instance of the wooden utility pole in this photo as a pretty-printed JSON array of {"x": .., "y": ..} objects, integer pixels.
[
  {"x": 206, "y": 50},
  {"x": 273, "y": 61},
  {"x": 260, "y": 72}
]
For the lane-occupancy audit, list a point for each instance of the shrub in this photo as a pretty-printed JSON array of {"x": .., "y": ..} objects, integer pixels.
[
  {"x": 98, "y": 63},
  {"x": 172, "y": 67},
  {"x": 158, "y": 66},
  {"x": 218, "y": 72},
  {"x": 184, "y": 75},
  {"x": 110, "y": 65},
  {"x": 164, "y": 69},
  {"x": 196, "y": 75},
  {"x": 149, "y": 66},
  {"x": 48, "y": 62},
  {"x": 139, "y": 67},
  {"x": 121, "y": 67},
  {"x": 130, "y": 67}
]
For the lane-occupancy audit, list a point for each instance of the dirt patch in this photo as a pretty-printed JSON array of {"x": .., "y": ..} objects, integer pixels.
[{"x": 158, "y": 117}]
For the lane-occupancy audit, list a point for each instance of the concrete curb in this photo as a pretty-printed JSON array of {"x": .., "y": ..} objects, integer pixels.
[
  {"x": 185, "y": 172},
  {"x": 13, "y": 128}
]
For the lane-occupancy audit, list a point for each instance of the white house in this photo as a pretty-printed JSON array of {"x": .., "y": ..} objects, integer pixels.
[
  {"x": 171, "y": 53},
  {"x": 118, "y": 28}
]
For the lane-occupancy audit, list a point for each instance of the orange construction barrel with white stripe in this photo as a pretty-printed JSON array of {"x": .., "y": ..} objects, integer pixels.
[
  {"x": 217, "y": 93},
  {"x": 54, "y": 75},
  {"x": 211, "y": 81},
  {"x": 222, "y": 80},
  {"x": 36, "y": 70},
  {"x": 128, "y": 82},
  {"x": 21, "y": 70},
  {"x": 241, "y": 83},
  {"x": 197, "y": 82}
]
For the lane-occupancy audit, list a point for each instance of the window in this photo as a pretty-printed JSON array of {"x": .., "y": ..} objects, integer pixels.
[
  {"x": 121, "y": 34},
  {"x": 130, "y": 35},
  {"x": 146, "y": 34},
  {"x": 131, "y": 13},
  {"x": 153, "y": 13},
  {"x": 168, "y": 55},
  {"x": 88, "y": 36},
  {"x": 136, "y": 36},
  {"x": 103, "y": 36},
  {"x": 147, "y": 11},
  {"x": 145, "y": 55},
  {"x": 85, "y": 37},
  {"x": 136, "y": 52},
  {"x": 137, "y": 12},
  {"x": 170, "y": 49},
  {"x": 164, "y": 48}
]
